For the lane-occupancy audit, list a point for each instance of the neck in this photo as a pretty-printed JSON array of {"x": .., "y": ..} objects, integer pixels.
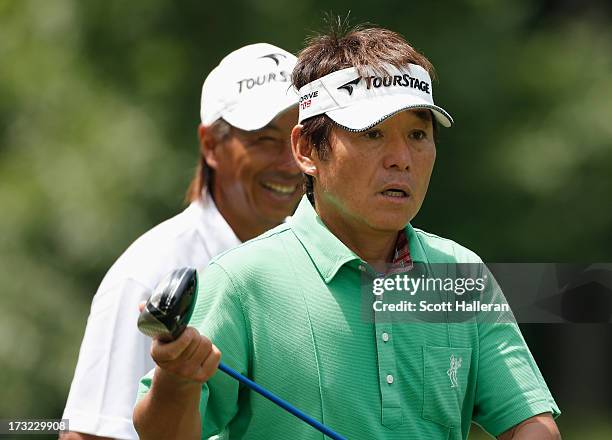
[
  {"x": 375, "y": 247},
  {"x": 244, "y": 228}
]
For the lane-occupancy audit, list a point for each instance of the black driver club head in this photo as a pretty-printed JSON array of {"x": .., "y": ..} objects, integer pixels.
[{"x": 169, "y": 308}]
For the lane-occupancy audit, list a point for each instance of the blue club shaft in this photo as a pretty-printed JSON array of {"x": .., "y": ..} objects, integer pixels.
[{"x": 280, "y": 402}]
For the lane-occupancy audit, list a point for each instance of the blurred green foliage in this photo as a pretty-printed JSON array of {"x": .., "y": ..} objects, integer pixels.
[{"x": 99, "y": 104}]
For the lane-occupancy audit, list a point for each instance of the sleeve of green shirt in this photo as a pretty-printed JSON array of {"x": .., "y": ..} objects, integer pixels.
[
  {"x": 218, "y": 316},
  {"x": 510, "y": 387}
]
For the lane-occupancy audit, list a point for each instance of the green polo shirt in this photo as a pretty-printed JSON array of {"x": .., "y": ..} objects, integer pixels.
[{"x": 285, "y": 310}]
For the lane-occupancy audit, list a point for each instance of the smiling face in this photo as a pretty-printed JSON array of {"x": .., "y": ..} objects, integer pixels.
[
  {"x": 256, "y": 182},
  {"x": 375, "y": 180}
]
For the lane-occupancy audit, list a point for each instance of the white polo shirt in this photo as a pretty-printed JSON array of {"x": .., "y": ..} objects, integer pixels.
[{"x": 114, "y": 355}]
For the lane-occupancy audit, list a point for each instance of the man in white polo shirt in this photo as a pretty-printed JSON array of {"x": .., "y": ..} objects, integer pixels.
[{"x": 246, "y": 183}]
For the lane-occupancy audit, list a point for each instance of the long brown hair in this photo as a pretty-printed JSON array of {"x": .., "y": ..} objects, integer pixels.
[{"x": 220, "y": 130}]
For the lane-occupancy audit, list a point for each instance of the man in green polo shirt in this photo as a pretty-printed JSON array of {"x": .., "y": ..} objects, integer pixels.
[{"x": 286, "y": 308}]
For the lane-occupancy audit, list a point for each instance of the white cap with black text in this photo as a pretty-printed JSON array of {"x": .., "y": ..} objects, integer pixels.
[
  {"x": 358, "y": 102},
  {"x": 249, "y": 87}
]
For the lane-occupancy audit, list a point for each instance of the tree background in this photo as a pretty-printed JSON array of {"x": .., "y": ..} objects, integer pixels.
[{"x": 99, "y": 105}]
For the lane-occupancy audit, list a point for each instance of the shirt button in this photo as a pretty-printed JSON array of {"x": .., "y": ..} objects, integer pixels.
[
  {"x": 385, "y": 336},
  {"x": 362, "y": 268},
  {"x": 389, "y": 379}
]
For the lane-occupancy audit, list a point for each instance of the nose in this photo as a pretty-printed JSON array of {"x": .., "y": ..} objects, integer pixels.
[{"x": 398, "y": 154}]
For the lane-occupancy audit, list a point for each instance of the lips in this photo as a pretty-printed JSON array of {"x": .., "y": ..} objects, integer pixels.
[
  {"x": 395, "y": 193},
  {"x": 397, "y": 190},
  {"x": 279, "y": 188}
]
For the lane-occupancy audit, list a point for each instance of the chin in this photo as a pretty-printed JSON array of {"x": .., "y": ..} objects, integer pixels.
[
  {"x": 276, "y": 208},
  {"x": 277, "y": 216},
  {"x": 389, "y": 223},
  {"x": 273, "y": 220}
]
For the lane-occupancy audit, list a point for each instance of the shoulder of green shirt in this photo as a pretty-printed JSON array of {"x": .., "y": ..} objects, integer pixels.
[
  {"x": 439, "y": 249},
  {"x": 253, "y": 244},
  {"x": 256, "y": 258},
  {"x": 435, "y": 248}
]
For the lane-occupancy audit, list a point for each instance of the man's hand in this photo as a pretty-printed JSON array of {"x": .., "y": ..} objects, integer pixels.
[
  {"x": 190, "y": 358},
  {"x": 171, "y": 407},
  {"x": 540, "y": 427}
]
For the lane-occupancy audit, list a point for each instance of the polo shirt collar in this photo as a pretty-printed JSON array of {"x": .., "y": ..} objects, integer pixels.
[
  {"x": 327, "y": 252},
  {"x": 417, "y": 252}
]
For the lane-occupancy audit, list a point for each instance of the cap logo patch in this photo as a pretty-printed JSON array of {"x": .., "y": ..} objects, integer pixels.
[
  {"x": 349, "y": 85},
  {"x": 274, "y": 57},
  {"x": 404, "y": 80},
  {"x": 306, "y": 100}
]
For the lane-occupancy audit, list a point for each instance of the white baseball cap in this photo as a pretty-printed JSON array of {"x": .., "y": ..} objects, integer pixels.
[
  {"x": 249, "y": 87},
  {"x": 359, "y": 102}
]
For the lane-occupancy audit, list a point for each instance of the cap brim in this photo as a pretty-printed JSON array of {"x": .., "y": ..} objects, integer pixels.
[
  {"x": 368, "y": 113},
  {"x": 261, "y": 107}
]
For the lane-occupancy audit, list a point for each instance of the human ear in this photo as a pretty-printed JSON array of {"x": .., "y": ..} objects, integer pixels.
[
  {"x": 208, "y": 146},
  {"x": 303, "y": 152}
]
